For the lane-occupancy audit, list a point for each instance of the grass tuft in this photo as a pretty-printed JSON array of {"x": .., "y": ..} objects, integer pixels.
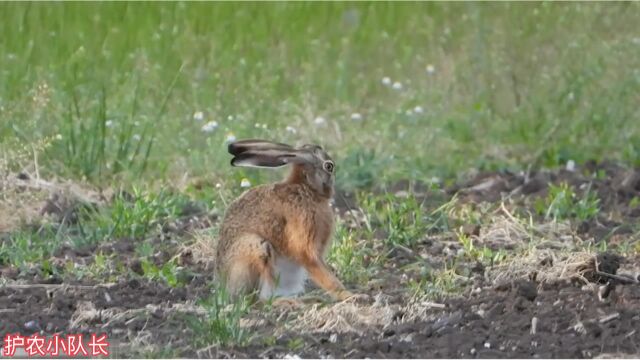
[
  {"x": 562, "y": 203},
  {"x": 221, "y": 323}
]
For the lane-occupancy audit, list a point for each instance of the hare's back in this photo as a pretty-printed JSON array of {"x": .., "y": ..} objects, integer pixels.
[{"x": 257, "y": 212}]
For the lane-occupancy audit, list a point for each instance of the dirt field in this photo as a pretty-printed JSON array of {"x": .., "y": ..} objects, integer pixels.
[{"x": 554, "y": 300}]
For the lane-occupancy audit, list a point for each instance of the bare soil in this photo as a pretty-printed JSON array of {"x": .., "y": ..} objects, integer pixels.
[{"x": 570, "y": 323}]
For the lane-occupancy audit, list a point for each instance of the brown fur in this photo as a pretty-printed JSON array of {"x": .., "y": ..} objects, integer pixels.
[{"x": 292, "y": 218}]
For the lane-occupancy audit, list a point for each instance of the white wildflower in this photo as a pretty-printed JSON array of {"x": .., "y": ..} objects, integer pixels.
[
  {"x": 291, "y": 129},
  {"x": 230, "y": 138},
  {"x": 198, "y": 116},
  {"x": 430, "y": 69},
  {"x": 571, "y": 166},
  {"x": 319, "y": 121},
  {"x": 418, "y": 109},
  {"x": 571, "y": 96},
  {"x": 58, "y": 137},
  {"x": 397, "y": 85},
  {"x": 230, "y": 117},
  {"x": 245, "y": 183},
  {"x": 356, "y": 117},
  {"x": 210, "y": 126},
  {"x": 218, "y": 185},
  {"x": 137, "y": 137},
  {"x": 386, "y": 81},
  {"x": 108, "y": 123}
]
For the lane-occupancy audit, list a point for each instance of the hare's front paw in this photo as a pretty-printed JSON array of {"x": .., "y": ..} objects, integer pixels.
[
  {"x": 346, "y": 295},
  {"x": 343, "y": 295},
  {"x": 287, "y": 303},
  {"x": 359, "y": 299}
]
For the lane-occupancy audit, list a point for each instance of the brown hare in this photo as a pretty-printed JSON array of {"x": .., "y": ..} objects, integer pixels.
[{"x": 274, "y": 236}]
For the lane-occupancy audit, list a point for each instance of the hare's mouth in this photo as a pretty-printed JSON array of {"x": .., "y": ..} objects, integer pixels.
[{"x": 327, "y": 190}]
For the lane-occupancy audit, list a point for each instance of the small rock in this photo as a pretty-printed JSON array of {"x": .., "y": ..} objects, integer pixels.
[
  {"x": 478, "y": 267},
  {"x": 605, "y": 290},
  {"x": 134, "y": 283},
  {"x": 406, "y": 338},
  {"x": 471, "y": 229},
  {"x": 609, "y": 262},
  {"x": 398, "y": 315},
  {"x": 546, "y": 261},
  {"x": 136, "y": 266},
  {"x": 333, "y": 338},
  {"x": 533, "y": 186},
  {"x": 9, "y": 272},
  {"x": 505, "y": 286},
  {"x": 52, "y": 279},
  {"x": 527, "y": 290}
]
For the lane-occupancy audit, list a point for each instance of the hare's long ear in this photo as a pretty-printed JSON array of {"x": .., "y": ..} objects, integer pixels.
[
  {"x": 271, "y": 158},
  {"x": 255, "y": 145}
]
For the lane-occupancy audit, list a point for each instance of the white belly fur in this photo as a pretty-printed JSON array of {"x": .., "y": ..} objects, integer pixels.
[{"x": 290, "y": 279}]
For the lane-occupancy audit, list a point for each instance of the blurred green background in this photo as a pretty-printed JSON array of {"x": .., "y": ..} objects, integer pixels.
[{"x": 141, "y": 92}]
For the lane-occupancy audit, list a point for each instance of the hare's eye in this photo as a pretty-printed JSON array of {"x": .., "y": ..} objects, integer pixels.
[{"x": 328, "y": 166}]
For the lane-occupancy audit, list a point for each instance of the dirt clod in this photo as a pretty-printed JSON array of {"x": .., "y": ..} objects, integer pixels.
[{"x": 527, "y": 289}]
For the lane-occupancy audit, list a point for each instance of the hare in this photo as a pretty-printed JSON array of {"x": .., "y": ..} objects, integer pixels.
[{"x": 273, "y": 236}]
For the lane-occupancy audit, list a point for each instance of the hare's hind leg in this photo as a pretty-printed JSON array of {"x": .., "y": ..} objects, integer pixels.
[{"x": 250, "y": 266}]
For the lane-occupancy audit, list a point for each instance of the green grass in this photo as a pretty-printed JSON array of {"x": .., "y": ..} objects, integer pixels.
[
  {"x": 26, "y": 248},
  {"x": 128, "y": 217},
  {"x": 404, "y": 219},
  {"x": 135, "y": 215},
  {"x": 347, "y": 255},
  {"x": 169, "y": 272},
  {"x": 512, "y": 84},
  {"x": 484, "y": 255},
  {"x": 562, "y": 202},
  {"x": 435, "y": 284},
  {"x": 401, "y": 219},
  {"x": 220, "y": 325}
]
